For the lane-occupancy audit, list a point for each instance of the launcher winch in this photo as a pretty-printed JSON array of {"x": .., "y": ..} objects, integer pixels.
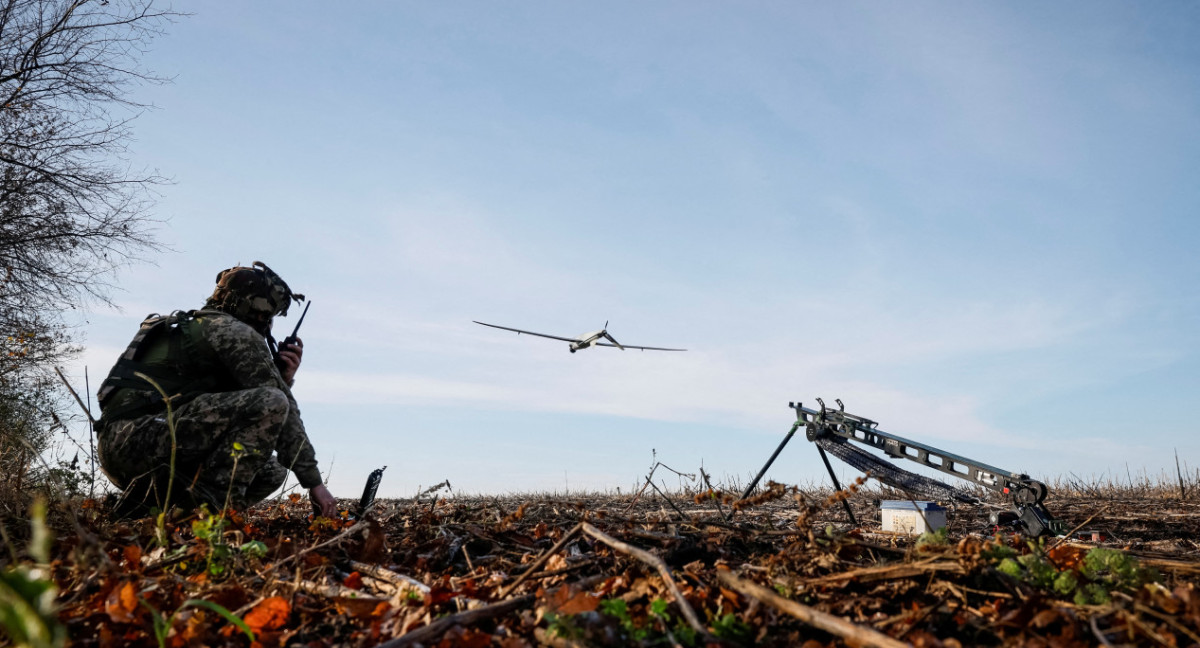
[{"x": 832, "y": 430}]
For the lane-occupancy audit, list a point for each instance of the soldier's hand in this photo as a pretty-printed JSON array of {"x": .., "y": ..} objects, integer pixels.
[
  {"x": 323, "y": 500},
  {"x": 291, "y": 355}
]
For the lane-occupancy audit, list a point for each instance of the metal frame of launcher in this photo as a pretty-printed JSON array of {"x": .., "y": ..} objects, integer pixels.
[{"x": 832, "y": 429}]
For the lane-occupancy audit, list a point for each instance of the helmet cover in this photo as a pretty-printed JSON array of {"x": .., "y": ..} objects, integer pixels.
[{"x": 252, "y": 294}]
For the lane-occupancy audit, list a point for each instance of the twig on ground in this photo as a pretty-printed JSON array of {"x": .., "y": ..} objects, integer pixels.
[
  {"x": 851, "y": 632},
  {"x": 682, "y": 516},
  {"x": 888, "y": 572},
  {"x": 654, "y": 561},
  {"x": 649, "y": 482},
  {"x": 537, "y": 564},
  {"x": 335, "y": 591},
  {"x": 388, "y": 576},
  {"x": 358, "y": 527},
  {"x": 1098, "y": 633},
  {"x": 435, "y": 629},
  {"x": 1079, "y": 526}
]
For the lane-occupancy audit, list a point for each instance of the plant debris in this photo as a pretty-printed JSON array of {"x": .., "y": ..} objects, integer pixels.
[{"x": 783, "y": 568}]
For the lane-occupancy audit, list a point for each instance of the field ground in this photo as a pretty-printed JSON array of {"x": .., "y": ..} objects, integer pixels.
[{"x": 603, "y": 570}]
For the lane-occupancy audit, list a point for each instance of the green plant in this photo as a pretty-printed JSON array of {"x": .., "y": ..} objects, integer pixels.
[
  {"x": 659, "y": 629},
  {"x": 682, "y": 632},
  {"x": 1033, "y": 568},
  {"x": 996, "y": 552},
  {"x": 254, "y": 549},
  {"x": 1101, "y": 571},
  {"x": 562, "y": 625},
  {"x": 936, "y": 538},
  {"x": 211, "y": 529},
  {"x": 1118, "y": 567},
  {"x": 730, "y": 627},
  {"x": 27, "y": 595},
  {"x": 617, "y": 609},
  {"x": 160, "y": 535},
  {"x": 163, "y": 623},
  {"x": 238, "y": 451}
]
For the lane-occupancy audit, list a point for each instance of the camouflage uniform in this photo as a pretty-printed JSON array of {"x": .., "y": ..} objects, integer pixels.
[{"x": 237, "y": 426}]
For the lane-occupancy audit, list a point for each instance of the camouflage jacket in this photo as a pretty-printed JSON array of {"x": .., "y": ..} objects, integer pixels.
[{"x": 231, "y": 356}]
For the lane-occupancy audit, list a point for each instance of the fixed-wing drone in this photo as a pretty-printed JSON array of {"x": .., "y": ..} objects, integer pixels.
[{"x": 586, "y": 340}]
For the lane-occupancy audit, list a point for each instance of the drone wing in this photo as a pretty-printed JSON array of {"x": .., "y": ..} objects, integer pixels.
[
  {"x": 519, "y": 331},
  {"x": 640, "y": 348}
]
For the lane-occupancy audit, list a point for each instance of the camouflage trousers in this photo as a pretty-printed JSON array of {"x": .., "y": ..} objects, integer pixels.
[{"x": 224, "y": 444}]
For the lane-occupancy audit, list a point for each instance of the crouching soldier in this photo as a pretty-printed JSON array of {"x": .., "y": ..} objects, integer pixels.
[{"x": 237, "y": 428}]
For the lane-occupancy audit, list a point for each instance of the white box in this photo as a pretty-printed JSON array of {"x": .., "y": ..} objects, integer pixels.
[{"x": 901, "y": 516}]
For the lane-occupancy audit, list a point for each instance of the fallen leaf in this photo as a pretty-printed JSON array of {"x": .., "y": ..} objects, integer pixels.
[
  {"x": 733, "y": 598},
  {"x": 438, "y": 595},
  {"x": 569, "y": 600},
  {"x": 374, "y": 545},
  {"x": 271, "y": 614},
  {"x": 465, "y": 638},
  {"x": 1066, "y": 556},
  {"x": 555, "y": 562},
  {"x": 121, "y": 603},
  {"x": 360, "y": 608},
  {"x": 353, "y": 581},
  {"x": 1045, "y": 618}
]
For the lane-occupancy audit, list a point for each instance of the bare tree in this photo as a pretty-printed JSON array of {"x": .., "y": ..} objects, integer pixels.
[{"x": 72, "y": 210}]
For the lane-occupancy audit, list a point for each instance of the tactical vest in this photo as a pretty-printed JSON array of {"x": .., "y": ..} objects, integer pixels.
[{"x": 172, "y": 351}]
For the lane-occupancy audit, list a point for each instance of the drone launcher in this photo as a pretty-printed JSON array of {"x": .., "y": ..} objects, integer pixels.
[
  {"x": 833, "y": 429},
  {"x": 839, "y": 433}
]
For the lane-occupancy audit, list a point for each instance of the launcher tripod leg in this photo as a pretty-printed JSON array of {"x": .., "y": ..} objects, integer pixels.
[
  {"x": 759, "y": 476},
  {"x": 836, "y": 485},
  {"x": 770, "y": 461}
]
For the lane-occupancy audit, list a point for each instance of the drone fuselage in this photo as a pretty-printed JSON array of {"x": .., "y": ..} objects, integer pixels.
[{"x": 587, "y": 340}]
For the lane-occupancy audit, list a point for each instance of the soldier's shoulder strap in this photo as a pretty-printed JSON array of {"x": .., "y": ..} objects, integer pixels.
[{"x": 122, "y": 373}]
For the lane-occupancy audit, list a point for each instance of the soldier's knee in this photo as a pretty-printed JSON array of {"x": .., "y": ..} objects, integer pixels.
[{"x": 274, "y": 404}]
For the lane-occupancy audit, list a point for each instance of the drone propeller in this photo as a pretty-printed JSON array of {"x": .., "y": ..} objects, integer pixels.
[{"x": 604, "y": 333}]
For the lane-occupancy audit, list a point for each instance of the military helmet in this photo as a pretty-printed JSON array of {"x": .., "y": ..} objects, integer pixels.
[{"x": 252, "y": 294}]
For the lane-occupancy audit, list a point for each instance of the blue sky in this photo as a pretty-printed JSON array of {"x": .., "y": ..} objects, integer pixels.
[{"x": 972, "y": 222}]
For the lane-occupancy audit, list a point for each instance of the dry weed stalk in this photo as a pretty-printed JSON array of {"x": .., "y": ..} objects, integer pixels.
[{"x": 774, "y": 491}]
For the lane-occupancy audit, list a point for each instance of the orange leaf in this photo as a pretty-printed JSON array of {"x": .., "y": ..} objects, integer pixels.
[
  {"x": 353, "y": 581},
  {"x": 360, "y": 608},
  {"x": 133, "y": 554},
  {"x": 295, "y": 498},
  {"x": 568, "y": 600},
  {"x": 271, "y": 614},
  {"x": 122, "y": 603},
  {"x": 1045, "y": 618},
  {"x": 439, "y": 594},
  {"x": 466, "y": 638},
  {"x": 1066, "y": 556},
  {"x": 732, "y": 597}
]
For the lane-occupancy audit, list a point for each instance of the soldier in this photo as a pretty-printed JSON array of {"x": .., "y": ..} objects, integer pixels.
[{"x": 237, "y": 426}]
